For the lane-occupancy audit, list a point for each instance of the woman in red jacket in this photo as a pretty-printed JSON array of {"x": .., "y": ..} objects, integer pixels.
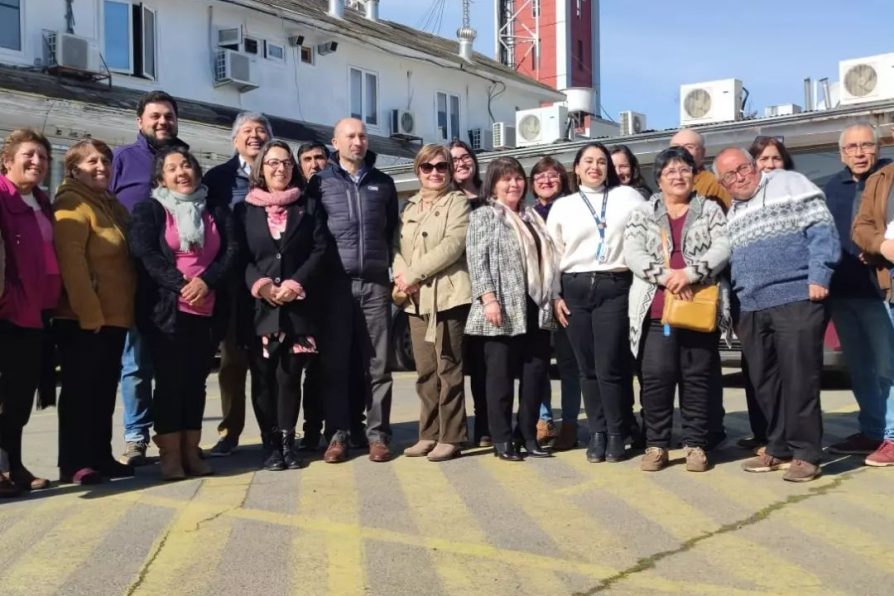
[{"x": 32, "y": 287}]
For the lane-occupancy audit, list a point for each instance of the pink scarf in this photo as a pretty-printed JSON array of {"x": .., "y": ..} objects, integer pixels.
[{"x": 274, "y": 202}]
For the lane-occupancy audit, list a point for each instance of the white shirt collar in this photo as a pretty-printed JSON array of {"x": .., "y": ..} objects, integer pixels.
[{"x": 244, "y": 166}]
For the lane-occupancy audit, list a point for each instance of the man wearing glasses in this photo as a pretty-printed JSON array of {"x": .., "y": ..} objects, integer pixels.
[
  {"x": 858, "y": 309},
  {"x": 785, "y": 248},
  {"x": 871, "y": 235}
]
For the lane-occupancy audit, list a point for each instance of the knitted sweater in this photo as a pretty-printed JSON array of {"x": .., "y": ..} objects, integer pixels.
[{"x": 783, "y": 239}]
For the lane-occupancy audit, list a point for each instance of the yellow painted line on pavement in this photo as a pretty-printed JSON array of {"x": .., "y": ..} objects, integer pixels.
[
  {"x": 28, "y": 518},
  {"x": 44, "y": 567},
  {"x": 741, "y": 558},
  {"x": 185, "y": 558}
]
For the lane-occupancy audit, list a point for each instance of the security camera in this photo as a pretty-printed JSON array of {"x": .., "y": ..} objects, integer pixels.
[
  {"x": 327, "y": 48},
  {"x": 296, "y": 41}
]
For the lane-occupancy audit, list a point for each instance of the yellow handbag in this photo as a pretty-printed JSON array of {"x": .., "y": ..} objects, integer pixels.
[{"x": 698, "y": 314}]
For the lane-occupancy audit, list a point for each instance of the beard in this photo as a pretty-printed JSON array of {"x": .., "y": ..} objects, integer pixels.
[{"x": 157, "y": 144}]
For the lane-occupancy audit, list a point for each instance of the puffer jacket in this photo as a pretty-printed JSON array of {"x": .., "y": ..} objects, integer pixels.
[{"x": 362, "y": 218}]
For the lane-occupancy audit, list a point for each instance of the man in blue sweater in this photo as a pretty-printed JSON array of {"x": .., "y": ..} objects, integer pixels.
[
  {"x": 857, "y": 304},
  {"x": 785, "y": 248}
]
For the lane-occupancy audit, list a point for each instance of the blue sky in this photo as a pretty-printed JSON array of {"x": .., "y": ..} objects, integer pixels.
[{"x": 649, "y": 48}]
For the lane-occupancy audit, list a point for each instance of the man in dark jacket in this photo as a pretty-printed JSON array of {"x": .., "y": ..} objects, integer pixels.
[
  {"x": 361, "y": 207},
  {"x": 131, "y": 182},
  {"x": 228, "y": 184}
]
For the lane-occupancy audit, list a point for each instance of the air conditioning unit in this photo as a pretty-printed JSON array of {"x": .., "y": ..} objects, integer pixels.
[
  {"x": 866, "y": 79},
  {"x": 540, "y": 126},
  {"x": 403, "y": 124},
  {"x": 65, "y": 50},
  {"x": 503, "y": 135},
  {"x": 233, "y": 68},
  {"x": 229, "y": 36},
  {"x": 632, "y": 123},
  {"x": 785, "y": 109},
  {"x": 713, "y": 101},
  {"x": 481, "y": 139}
]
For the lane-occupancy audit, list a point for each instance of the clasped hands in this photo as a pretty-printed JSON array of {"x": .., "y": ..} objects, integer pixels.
[
  {"x": 195, "y": 291},
  {"x": 276, "y": 295},
  {"x": 403, "y": 286}
]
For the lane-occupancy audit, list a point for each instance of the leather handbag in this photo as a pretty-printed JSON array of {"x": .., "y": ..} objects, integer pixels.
[{"x": 698, "y": 314}]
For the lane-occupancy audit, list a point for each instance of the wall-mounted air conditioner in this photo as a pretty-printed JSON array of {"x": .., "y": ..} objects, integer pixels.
[
  {"x": 503, "y": 135},
  {"x": 540, "y": 126},
  {"x": 403, "y": 124},
  {"x": 783, "y": 109},
  {"x": 481, "y": 139},
  {"x": 73, "y": 52},
  {"x": 229, "y": 36},
  {"x": 233, "y": 68},
  {"x": 866, "y": 79},
  {"x": 632, "y": 123},
  {"x": 713, "y": 101}
]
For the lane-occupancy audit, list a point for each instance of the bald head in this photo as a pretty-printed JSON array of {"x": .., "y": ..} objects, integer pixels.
[
  {"x": 349, "y": 139},
  {"x": 693, "y": 143}
]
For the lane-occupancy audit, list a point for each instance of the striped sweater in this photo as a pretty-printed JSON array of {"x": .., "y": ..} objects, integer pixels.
[{"x": 783, "y": 239}]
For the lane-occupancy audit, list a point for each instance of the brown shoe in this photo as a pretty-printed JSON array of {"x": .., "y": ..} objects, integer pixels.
[
  {"x": 191, "y": 454},
  {"x": 443, "y": 452},
  {"x": 169, "y": 458},
  {"x": 379, "y": 452},
  {"x": 654, "y": 459},
  {"x": 546, "y": 432},
  {"x": 567, "y": 438},
  {"x": 765, "y": 463},
  {"x": 420, "y": 449},
  {"x": 802, "y": 471},
  {"x": 696, "y": 460},
  {"x": 337, "y": 452}
]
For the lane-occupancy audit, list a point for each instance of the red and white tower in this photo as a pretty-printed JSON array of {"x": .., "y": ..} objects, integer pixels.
[{"x": 555, "y": 42}]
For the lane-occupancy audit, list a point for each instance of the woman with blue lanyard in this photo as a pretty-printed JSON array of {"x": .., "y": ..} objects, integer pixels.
[{"x": 587, "y": 228}]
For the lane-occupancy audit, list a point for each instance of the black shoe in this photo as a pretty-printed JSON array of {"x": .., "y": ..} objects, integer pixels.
[
  {"x": 310, "y": 442},
  {"x": 615, "y": 450},
  {"x": 507, "y": 452},
  {"x": 596, "y": 448},
  {"x": 535, "y": 450},
  {"x": 289, "y": 457},
  {"x": 225, "y": 447},
  {"x": 272, "y": 452},
  {"x": 113, "y": 469}
]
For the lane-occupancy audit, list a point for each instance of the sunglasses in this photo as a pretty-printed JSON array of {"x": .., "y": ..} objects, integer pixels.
[{"x": 442, "y": 167}]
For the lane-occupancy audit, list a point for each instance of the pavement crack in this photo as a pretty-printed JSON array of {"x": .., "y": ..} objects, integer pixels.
[
  {"x": 144, "y": 571},
  {"x": 647, "y": 563}
]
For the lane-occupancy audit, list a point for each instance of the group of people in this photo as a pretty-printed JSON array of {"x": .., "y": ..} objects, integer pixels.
[{"x": 141, "y": 267}]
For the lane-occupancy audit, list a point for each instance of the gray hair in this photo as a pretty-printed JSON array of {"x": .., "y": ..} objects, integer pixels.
[
  {"x": 865, "y": 125},
  {"x": 742, "y": 150},
  {"x": 244, "y": 117}
]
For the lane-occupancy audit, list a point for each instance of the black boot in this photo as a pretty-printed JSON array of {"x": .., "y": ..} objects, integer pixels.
[
  {"x": 272, "y": 451},
  {"x": 596, "y": 448},
  {"x": 289, "y": 457},
  {"x": 507, "y": 452},
  {"x": 535, "y": 450},
  {"x": 615, "y": 450}
]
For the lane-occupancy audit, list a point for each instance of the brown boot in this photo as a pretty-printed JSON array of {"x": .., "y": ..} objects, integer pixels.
[
  {"x": 191, "y": 454},
  {"x": 169, "y": 456},
  {"x": 567, "y": 437}
]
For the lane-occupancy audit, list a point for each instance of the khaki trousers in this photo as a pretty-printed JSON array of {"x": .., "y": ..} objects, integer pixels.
[{"x": 440, "y": 384}]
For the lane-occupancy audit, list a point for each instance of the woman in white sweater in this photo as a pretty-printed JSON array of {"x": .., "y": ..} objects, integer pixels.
[{"x": 587, "y": 228}]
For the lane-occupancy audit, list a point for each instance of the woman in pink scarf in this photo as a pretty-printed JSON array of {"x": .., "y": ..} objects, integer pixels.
[{"x": 284, "y": 240}]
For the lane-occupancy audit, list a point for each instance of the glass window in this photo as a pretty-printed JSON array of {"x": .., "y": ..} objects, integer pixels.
[
  {"x": 307, "y": 54},
  {"x": 356, "y": 93},
  {"x": 372, "y": 99},
  {"x": 454, "y": 117},
  {"x": 448, "y": 116},
  {"x": 117, "y": 31},
  {"x": 364, "y": 96},
  {"x": 274, "y": 51},
  {"x": 148, "y": 43},
  {"x": 442, "y": 116},
  {"x": 250, "y": 46},
  {"x": 11, "y": 24}
]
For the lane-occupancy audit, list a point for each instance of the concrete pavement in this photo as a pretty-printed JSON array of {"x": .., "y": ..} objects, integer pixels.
[{"x": 474, "y": 525}]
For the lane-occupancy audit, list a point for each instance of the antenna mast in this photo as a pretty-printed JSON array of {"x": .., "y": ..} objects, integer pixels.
[{"x": 514, "y": 34}]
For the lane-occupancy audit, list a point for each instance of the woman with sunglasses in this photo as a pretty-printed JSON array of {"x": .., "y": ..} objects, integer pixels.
[{"x": 430, "y": 269}]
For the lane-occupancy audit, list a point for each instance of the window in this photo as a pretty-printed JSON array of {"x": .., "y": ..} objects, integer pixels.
[
  {"x": 364, "y": 96},
  {"x": 250, "y": 46},
  {"x": 11, "y": 25},
  {"x": 130, "y": 36},
  {"x": 448, "y": 116},
  {"x": 307, "y": 55},
  {"x": 274, "y": 51}
]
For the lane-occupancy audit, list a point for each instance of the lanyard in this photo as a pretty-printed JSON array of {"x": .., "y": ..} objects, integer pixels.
[{"x": 600, "y": 222}]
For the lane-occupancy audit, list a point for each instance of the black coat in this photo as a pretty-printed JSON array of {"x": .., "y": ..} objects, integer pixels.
[
  {"x": 159, "y": 281},
  {"x": 300, "y": 255},
  {"x": 227, "y": 183}
]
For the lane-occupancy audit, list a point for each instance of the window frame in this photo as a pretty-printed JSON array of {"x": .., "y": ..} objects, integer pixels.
[
  {"x": 130, "y": 41},
  {"x": 311, "y": 52},
  {"x": 449, "y": 114},
  {"x": 21, "y": 49},
  {"x": 154, "y": 12},
  {"x": 277, "y": 59},
  {"x": 364, "y": 115},
  {"x": 137, "y": 50}
]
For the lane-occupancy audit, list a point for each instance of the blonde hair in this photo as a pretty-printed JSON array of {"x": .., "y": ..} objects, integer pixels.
[
  {"x": 77, "y": 152},
  {"x": 433, "y": 150},
  {"x": 17, "y": 137}
]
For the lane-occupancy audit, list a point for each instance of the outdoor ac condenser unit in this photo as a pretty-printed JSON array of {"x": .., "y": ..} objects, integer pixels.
[
  {"x": 72, "y": 51},
  {"x": 866, "y": 79},
  {"x": 234, "y": 68},
  {"x": 632, "y": 123},
  {"x": 403, "y": 124},
  {"x": 503, "y": 135},
  {"x": 540, "y": 126},
  {"x": 713, "y": 101},
  {"x": 481, "y": 139}
]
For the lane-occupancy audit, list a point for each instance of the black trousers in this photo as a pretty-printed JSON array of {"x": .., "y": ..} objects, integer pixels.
[
  {"x": 21, "y": 350},
  {"x": 523, "y": 356},
  {"x": 473, "y": 358},
  {"x": 784, "y": 348},
  {"x": 91, "y": 367},
  {"x": 681, "y": 359},
  {"x": 278, "y": 397},
  {"x": 182, "y": 362},
  {"x": 756, "y": 418},
  {"x": 598, "y": 330}
]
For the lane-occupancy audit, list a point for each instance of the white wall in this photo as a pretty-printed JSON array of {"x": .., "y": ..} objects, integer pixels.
[{"x": 318, "y": 93}]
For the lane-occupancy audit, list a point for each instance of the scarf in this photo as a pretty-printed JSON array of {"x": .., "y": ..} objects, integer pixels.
[
  {"x": 274, "y": 203},
  {"x": 540, "y": 273},
  {"x": 187, "y": 212}
]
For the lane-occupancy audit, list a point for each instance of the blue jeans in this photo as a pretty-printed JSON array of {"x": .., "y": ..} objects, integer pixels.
[
  {"x": 570, "y": 381},
  {"x": 865, "y": 327},
  {"x": 136, "y": 388}
]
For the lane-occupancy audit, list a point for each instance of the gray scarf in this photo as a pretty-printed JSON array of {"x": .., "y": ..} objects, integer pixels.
[{"x": 187, "y": 213}]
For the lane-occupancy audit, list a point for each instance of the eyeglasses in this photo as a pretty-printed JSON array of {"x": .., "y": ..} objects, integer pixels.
[
  {"x": 742, "y": 170},
  {"x": 442, "y": 167},
  {"x": 462, "y": 158},
  {"x": 544, "y": 176},
  {"x": 276, "y": 163},
  {"x": 681, "y": 172},
  {"x": 855, "y": 148}
]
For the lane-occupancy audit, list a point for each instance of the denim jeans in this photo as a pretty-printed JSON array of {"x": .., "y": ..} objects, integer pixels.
[
  {"x": 136, "y": 388},
  {"x": 569, "y": 378},
  {"x": 865, "y": 327}
]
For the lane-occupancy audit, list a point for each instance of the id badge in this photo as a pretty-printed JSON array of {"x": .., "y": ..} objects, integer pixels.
[{"x": 601, "y": 256}]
